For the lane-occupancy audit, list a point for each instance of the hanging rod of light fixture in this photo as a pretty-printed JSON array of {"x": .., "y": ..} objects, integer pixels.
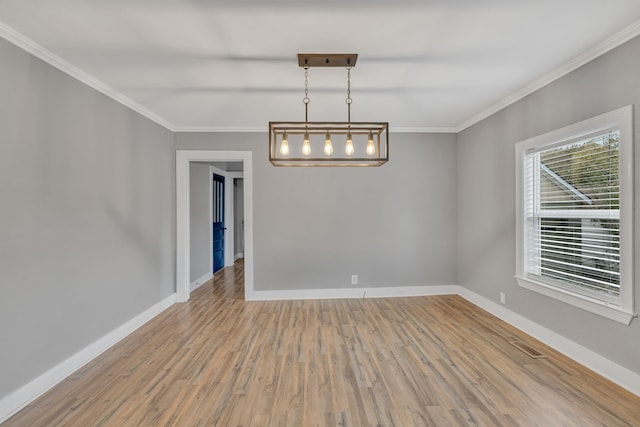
[{"x": 311, "y": 143}]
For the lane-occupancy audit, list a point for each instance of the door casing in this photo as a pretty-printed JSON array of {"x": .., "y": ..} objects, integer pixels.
[{"x": 183, "y": 159}]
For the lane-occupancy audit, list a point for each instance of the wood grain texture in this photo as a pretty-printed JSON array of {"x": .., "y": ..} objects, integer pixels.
[{"x": 421, "y": 361}]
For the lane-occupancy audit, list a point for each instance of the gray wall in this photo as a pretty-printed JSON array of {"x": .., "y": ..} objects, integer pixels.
[
  {"x": 199, "y": 220},
  {"x": 486, "y": 197},
  {"x": 238, "y": 215},
  {"x": 86, "y": 218},
  {"x": 313, "y": 227}
]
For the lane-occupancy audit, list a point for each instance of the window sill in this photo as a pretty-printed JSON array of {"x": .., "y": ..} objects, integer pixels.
[{"x": 600, "y": 308}]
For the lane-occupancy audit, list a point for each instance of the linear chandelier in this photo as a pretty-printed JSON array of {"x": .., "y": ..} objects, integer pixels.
[{"x": 312, "y": 143}]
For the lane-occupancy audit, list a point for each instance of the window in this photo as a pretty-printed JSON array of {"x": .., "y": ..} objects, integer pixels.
[{"x": 575, "y": 212}]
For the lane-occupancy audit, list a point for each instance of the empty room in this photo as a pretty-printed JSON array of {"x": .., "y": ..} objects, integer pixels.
[{"x": 339, "y": 213}]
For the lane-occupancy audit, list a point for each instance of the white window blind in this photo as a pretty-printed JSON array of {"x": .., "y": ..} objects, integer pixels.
[{"x": 572, "y": 205}]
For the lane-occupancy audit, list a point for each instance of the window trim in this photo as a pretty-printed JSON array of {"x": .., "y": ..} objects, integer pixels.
[{"x": 621, "y": 120}]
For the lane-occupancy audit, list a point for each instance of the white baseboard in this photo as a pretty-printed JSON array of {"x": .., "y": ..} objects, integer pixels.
[
  {"x": 238, "y": 256},
  {"x": 597, "y": 363},
  {"x": 618, "y": 374},
  {"x": 339, "y": 293},
  {"x": 20, "y": 398},
  {"x": 198, "y": 282},
  {"x": 624, "y": 377}
]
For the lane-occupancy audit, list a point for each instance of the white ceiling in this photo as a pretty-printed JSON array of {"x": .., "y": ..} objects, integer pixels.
[{"x": 231, "y": 65}]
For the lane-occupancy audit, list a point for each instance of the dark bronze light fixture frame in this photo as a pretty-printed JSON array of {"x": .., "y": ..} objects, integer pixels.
[
  {"x": 368, "y": 141},
  {"x": 359, "y": 130}
]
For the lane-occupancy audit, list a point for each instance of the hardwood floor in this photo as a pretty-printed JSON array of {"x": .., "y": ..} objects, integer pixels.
[{"x": 420, "y": 361}]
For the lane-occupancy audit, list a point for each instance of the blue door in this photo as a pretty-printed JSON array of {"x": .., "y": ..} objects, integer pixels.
[{"x": 218, "y": 222}]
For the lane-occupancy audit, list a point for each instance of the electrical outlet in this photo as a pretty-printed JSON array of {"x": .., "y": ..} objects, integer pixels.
[
  {"x": 354, "y": 279},
  {"x": 503, "y": 298}
]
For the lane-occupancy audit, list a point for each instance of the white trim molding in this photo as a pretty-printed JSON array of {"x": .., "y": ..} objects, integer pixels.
[
  {"x": 600, "y": 308},
  {"x": 28, "y": 45},
  {"x": 200, "y": 281},
  {"x": 340, "y": 293},
  {"x": 20, "y": 398},
  {"x": 589, "y": 55},
  {"x": 23, "y": 42},
  {"x": 254, "y": 129},
  {"x": 582, "y": 355},
  {"x": 618, "y": 374},
  {"x": 624, "y": 377},
  {"x": 621, "y": 309},
  {"x": 183, "y": 256}
]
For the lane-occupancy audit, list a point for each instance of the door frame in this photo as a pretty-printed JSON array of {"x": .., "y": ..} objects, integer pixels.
[{"x": 183, "y": 256}]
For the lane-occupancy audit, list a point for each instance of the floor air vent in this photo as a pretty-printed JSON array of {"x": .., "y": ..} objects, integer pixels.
[{"x": 527, "y": 349}]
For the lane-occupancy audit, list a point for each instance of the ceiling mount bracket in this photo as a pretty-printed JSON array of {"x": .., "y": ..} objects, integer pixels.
[{"x": 327, "y": 59}]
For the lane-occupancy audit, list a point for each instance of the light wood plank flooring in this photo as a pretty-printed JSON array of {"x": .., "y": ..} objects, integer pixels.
[{"x": 426, "y": 361}]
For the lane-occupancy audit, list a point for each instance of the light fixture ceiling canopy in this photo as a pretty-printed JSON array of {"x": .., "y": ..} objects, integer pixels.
[{"x": 327, "y": 59}]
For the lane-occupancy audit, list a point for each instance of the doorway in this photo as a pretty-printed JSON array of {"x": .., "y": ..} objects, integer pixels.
[{"x": 183, "y": 160}]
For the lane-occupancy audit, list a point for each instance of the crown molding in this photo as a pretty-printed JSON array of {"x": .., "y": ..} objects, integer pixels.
[
  {"x": 255, "y": 129},
  {"x": 222, "y": 129},
  {"x": 427, "y": 129},
  {"x": 25, "y": 43},
  {"x": 589, "y": 55}
]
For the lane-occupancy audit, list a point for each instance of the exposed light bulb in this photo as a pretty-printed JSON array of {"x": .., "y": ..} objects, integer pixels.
[
  {"x": 328, "y": 148},
  {"x": 348, "y": 149},
  {"x": 284, "y": 147},
  {"x": 306, "y": 145},
  {"x": 371, "y": 148}
]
